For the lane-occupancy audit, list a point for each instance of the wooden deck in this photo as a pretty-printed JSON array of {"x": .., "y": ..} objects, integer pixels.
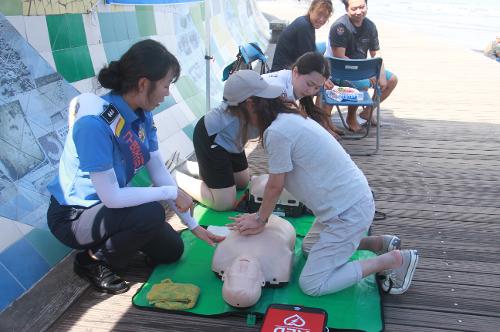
[{"x": 437, "y": 177}]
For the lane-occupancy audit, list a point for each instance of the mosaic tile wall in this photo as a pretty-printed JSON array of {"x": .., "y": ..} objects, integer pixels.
[{"x": 50, "y": 54}]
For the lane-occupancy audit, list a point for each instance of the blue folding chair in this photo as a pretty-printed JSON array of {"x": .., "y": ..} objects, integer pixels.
[
  {"x": 345, "y": 70},
  {"x": 247, "y": 55}
]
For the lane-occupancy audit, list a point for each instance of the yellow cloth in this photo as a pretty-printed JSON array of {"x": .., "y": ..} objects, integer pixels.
[{"x": 173, "y": 296}]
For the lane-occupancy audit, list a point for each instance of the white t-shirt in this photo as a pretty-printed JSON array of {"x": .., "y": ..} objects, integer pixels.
[
  {"x": 319, "y": 172},
  {"x": 283, "y": 79}
]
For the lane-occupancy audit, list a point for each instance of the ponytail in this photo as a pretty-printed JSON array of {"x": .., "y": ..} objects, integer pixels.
[
  {"x": 147, "y": 58},
  {"x": 110, "y": 77}
]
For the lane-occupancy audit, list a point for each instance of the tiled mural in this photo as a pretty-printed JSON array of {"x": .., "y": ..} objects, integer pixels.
[{"x": 50, "y": 53}]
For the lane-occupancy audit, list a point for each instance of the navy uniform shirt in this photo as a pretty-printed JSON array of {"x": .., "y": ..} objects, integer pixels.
[
  {"x": 297, "y": 38},
  {"x": 356, "y": 41},
  {"x": 91, "y": 146}
]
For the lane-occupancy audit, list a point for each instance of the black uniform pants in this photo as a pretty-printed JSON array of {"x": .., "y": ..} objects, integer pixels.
[{"x": 115, "y": 235}]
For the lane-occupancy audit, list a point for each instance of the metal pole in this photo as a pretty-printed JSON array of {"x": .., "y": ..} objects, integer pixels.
[{"x": 208, "y": 55}]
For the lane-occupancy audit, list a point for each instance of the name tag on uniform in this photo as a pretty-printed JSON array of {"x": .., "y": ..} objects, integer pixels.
[{"x": 109, "y": 114}]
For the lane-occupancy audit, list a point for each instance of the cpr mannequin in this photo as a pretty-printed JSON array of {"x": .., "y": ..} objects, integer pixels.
[{"x": 247, "y": 263}]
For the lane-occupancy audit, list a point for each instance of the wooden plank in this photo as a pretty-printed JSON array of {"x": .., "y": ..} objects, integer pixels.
[
  {"x": 424, "y": 162},
  {"x": 432, "y": 224},
  {"x": 426, "y": 172},
  {"x": 452, "y": 293},
  {"x": 437, "y": 215},
  {"x": 442, "y": 198},
  {"x": 442, "y": 303},
  {"x": 441, "y": 320},
  {"x": 458, "y": 278},
  {"x": 434, "y": 207},
  {"x": 425, "y": 143},
  {"x": 391, "y": 327},
  {"x": 433, "y": 148},
  {"x": 470, "y": 238},
  {"x": 461, "y": 265}
]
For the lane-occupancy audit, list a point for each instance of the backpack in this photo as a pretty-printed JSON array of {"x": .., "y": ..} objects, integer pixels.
[{"x": 247, "y": 54}]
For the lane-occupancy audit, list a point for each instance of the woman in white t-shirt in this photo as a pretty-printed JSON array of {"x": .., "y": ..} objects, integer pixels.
[
  {"x": 304, "y": 81},
  {"x": 312, "y": 166}
]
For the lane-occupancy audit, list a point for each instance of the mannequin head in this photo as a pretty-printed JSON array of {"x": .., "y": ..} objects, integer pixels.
[
  {"x": 246, "y": 263},
  {"x": 243, "y": 282}
]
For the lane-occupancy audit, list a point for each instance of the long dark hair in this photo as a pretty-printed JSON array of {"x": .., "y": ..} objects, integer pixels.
[
  {"x": 147, "y": 58},
  {"x": 314, "y": 62},
  {"x": 269, "y": 109},
  {"x": 241, "y": 112}
]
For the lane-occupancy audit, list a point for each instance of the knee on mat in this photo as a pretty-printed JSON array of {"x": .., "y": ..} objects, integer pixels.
[
  {"x": 151, "y": 217},
  {"x": 173, "y": 253},
  {"x": 309, "y": 286},
  {"x": 224, "y": 204}
]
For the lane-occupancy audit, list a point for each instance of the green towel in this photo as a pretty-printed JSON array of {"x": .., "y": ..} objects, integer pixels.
[{"x": 173, "y": 296}]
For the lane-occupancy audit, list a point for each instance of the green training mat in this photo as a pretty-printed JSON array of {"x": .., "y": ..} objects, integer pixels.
[{"x": 357, "y": 308}]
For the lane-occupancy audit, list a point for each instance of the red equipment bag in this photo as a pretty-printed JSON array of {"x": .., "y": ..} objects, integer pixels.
[{"x": 292, "y": 318}]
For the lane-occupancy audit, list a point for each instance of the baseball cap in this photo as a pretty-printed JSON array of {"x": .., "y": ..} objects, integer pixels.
[{"x": 247, "y": 83}]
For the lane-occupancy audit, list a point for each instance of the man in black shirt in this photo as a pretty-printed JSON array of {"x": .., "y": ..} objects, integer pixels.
[{"x": 352, "y": 36}]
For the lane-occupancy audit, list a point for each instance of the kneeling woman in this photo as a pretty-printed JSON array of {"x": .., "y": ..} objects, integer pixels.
[
  {"x": 219, "y": 139},
  {"x": 109, "y": 140},
  {"x": 220, "y": 136},
  {"x": 311, "y": 165}
]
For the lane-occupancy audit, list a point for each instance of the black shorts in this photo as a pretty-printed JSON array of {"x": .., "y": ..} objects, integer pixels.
[{"x": 217, "y": 166}]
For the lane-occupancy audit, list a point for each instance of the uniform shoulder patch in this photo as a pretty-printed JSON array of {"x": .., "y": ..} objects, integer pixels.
[{"x": 109, "y": 114}]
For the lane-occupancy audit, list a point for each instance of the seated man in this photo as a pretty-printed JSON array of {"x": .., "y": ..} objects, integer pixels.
[
  {"x": 351, "y": 37},
  {"x": 247, "y": 263}
]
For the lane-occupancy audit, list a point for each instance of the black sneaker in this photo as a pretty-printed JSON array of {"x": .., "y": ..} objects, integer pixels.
[{"x": 101, "y": 277}]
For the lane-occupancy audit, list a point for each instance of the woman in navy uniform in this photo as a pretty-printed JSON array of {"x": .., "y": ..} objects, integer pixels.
[{"x": 109, "y": 140}]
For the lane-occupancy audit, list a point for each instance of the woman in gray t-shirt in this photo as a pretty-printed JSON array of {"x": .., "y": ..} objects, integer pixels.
[
  {"x": 311, "y": 165},
  {"x": 220, "y": 136}
]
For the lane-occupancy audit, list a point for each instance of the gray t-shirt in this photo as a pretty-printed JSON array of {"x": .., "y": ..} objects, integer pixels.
[
  {"x": 227, "y": 128},
  {"x": 319, "y": 172}
]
